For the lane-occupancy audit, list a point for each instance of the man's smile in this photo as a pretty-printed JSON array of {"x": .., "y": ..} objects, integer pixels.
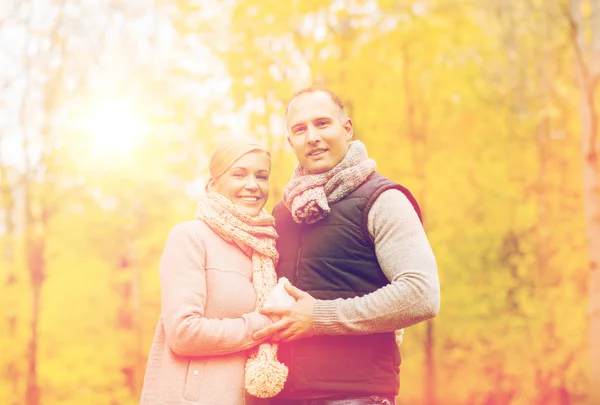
[{"x": 317, "y": 152}]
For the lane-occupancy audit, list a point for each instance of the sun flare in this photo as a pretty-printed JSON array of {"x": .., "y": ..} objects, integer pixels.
[{"x": 114, "y": 128}]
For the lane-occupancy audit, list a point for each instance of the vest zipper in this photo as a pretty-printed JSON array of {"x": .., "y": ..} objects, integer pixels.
[
  {"x": 298, "y": 258},
  {"x": 296, "y": 284}
]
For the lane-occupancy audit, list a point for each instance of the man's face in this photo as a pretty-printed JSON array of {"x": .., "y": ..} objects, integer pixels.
[{"x": 317, "y": 133}]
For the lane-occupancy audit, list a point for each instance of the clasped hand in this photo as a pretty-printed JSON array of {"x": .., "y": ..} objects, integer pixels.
[{"x": 292, "y": 322}]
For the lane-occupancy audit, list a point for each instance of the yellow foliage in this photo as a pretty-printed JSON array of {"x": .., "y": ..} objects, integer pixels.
[{"x": 476, "y": 116}]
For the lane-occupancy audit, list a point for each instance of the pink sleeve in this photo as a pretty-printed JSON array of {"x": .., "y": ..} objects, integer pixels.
[{"x": 183, "y": 290}]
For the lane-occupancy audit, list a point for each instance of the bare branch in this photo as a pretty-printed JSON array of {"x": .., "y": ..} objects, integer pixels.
[
  {"x": 588, "y": 81},
  {"x": 595, "y": 42},
  {"x": 10, "y": 81},
  {"x": 573, "y": 13}
]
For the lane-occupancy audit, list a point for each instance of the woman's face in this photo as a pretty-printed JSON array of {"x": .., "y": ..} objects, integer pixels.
[{"x": 246, "y": 182}]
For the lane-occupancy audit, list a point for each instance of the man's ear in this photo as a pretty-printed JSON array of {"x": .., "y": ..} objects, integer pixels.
[
  {"x": 289, "y": 139},
  {"x": 349, "y": 128}
]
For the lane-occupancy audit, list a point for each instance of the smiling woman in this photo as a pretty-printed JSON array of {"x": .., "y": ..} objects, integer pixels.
[
  {"x": 114, "y": 128},
  {"x": 246, "y": 182},
  {"x": 215, "y": 274}
]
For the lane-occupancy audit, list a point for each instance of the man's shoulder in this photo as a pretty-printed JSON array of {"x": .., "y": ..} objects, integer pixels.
[
  {"x": 375, "y": 181},
  {"x": 280, "y": 212},
  {"x": 394, "y": 193},
  {"x": 372, "y": 187},
  {"x": 384, "y": 181},
  {"x": 278, "y": 207}
]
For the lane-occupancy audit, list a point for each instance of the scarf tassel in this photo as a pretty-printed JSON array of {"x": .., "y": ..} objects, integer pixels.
[{"x": 265, "y": 375}]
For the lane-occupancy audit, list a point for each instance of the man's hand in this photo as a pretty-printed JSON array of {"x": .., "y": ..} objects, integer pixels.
[{"x": 296, "y": 321}]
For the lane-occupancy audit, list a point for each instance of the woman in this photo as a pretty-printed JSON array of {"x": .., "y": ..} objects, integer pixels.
[{"x": 214, "y": 274}]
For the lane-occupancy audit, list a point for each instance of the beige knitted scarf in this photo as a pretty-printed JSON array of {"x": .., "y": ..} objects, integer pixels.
[
  {"x": 308, "y": 196},
  {"x": 256, "y": 236}
]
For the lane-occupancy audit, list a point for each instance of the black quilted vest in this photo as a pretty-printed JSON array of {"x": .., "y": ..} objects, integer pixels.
[{"x": 335, "y": 258}]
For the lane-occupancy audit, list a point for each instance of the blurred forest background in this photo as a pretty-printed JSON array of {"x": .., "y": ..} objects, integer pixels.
[{"x": 486, "y": 109}]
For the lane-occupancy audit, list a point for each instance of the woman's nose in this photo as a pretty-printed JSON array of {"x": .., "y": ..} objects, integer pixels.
[{"x": 251, "y": 183}]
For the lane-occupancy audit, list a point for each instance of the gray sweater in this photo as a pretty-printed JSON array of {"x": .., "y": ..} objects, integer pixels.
[{"x": 406, "y": 258}]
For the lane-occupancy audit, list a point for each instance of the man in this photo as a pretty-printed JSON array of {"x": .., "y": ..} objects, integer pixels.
[{"x": 352, "y": 244}]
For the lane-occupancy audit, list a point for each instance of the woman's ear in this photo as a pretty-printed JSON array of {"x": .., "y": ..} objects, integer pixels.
[{"x": 210, "y": 186}]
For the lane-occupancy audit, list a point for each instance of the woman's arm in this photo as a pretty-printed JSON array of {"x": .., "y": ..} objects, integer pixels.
[{"x": 183, "y": 290}]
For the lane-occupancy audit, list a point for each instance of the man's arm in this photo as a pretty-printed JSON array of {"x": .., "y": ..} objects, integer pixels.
[{"x": 406, "y": 259}]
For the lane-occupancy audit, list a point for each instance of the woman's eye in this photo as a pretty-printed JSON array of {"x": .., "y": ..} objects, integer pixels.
[{"x": 238, "y": 174}]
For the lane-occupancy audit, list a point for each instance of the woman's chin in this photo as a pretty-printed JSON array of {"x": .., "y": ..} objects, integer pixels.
[{"x": 250, "y": 211}]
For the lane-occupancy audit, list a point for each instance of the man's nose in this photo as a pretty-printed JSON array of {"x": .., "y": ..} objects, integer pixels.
[{"x": 312, "y": 135}]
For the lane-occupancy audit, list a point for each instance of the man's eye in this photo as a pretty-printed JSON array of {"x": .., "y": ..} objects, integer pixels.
[
  {"x": 299, "y": 131},
  {"x": 263, "y": 177},
  {"x": 321, "y": 124}
]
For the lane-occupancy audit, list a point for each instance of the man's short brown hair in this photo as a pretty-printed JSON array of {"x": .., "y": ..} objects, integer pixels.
[{"x": 315, "y": 89}]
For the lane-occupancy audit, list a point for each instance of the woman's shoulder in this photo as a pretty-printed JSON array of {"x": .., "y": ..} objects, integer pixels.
[{"x": 194, "y": 229}]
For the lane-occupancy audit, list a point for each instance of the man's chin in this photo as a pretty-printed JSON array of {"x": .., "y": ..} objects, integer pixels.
[{"x": 318, "y": 169}]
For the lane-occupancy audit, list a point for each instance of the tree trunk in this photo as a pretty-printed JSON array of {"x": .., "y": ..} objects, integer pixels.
[
  {"x": 139, "y": 355},
  {"x": 33, "y": 389},
  {"x": 591, "y": 181},
  {"x": 36, "y": 263},
  {"x": 589, "y": 75},
  {"x": 8, "y": 205},
  {"x": 429, "y": 365},
  {"x": 35, "y": 221},
  {"x": 418, "y": 140},
  {"x": 9, "y": 278},
  {"x": 591, "y": 184}
]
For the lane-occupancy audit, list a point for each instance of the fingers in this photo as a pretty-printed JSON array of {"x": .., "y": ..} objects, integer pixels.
[
  {"x": 261, "y": 333},
  {"x": 294, "y": 291},
  {"x": 270, "y": 330},
  {"x": 292, "y": 334},
  {"x": 274, "y": 311},
  {"x": 292, "y": 337},
  {"x": 284, "y": 330},
  {"x": 286, "y": 335}
]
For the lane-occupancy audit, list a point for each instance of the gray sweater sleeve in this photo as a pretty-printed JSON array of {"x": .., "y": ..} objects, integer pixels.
[{"x": 406, "y": 259}]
